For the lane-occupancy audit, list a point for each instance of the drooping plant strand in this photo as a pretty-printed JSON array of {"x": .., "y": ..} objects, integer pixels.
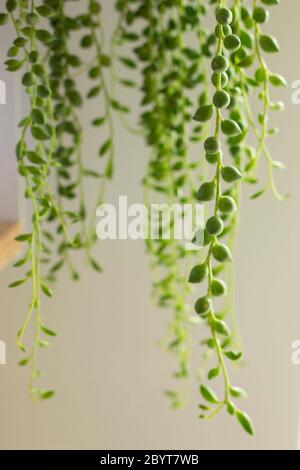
[
  {"x": 232, "y": 90},
  {"x": 51, "y": 138},
  {"x": 50, "y": 149},
  {"x": 240, "y": 150},
  {"x": 35, "y": 153}
]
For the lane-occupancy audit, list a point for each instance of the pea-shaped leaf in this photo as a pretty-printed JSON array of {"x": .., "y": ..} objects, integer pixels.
[
  {"x": 270, "y": 2},
  {"x": 11, "y": 5},
  {"x": 220, "y": 327},
  {"x": 34, "y": 170},
  {"x": 37, "y": 116},
  {"x": 207, "y": 191},
  {"x": 24, "y": 362},
  {"x": 246, "y": 61},
  {"x": 47, "y": 331},
  {"x": 22, "y": 261},
  {"x": 230, "y": 128},
  {"x": 47, "y": 394},
  {"x": 13, "y": 65},
  {"x": 94, "y": 92},
  {"x": 109, "y": 170},
  {"x": 45, "y": 10},
  {"x": 75, "y": 98},
  {"x": 277, "y": 80},
  {"x": 246, "y": 39},
  {"x": 44, "y": 36},
  {"x": 47, "y": 291},
  {"x": 98, "y": 121},
  {"x": 130, "y": 63},
  {"x": 43, "y": 91},
  {"x": 105, "y": 147},
  {"x": 24, "y": 237},
  {"x": 18, "y": 283},
  {"x": 231, "y": 174},
  {"x": 213, "y": 373},
  {"x": 95, "y": 265},
  {"x": 34, "y": 157},
  {"x": 105, "y": 60},
  {"x": 258, "y": 194},
  {"x": 20, "y": 42},
  {"x": 28, "y": 79},
  {"x": 86, "y": 41},
  {"x": 233, "y": 355},
  {"x": 230, "y": 408},
  {"x": 39, "y": 133},
  {"x": 221, "y": 253},
  {"x": 3, "y": 18},
  {"x": 198, "y": 273}
]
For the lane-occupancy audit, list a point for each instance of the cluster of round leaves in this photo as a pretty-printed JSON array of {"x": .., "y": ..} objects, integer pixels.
[
  {"x": 224, "y": 207},
  {"x": 35, "y": 153}
]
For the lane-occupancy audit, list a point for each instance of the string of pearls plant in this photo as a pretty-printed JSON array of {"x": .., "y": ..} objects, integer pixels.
[
  {"x": 180, "y": 51},
  {"x": 171, "y": 70},
  {"x": 49, "y": 151}
]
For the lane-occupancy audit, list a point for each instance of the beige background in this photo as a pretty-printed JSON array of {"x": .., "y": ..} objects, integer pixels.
[{"x": 105, "y": 365}]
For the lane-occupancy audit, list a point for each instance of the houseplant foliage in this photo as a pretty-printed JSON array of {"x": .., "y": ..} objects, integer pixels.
[
  {"x": 49, "y": 151},
  {"x": 200, "y": 67}
]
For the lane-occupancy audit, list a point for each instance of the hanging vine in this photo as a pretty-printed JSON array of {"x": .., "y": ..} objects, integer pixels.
[
  {"x": 232, "y": 86},
  {"x": 50, "y": 148},
  {"x": 179, "y": 61}
]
